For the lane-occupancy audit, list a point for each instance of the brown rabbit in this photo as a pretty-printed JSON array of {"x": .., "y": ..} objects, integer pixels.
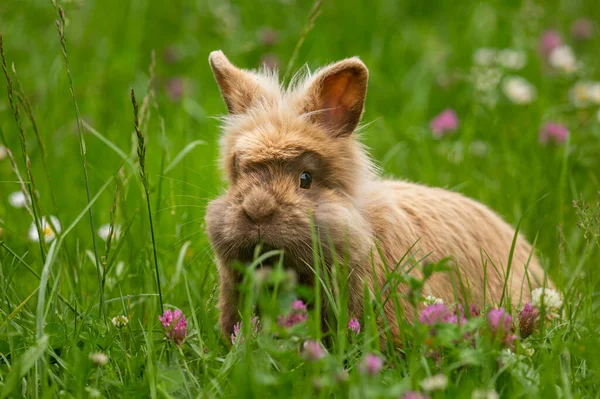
[{"x": 288, "y": 153}]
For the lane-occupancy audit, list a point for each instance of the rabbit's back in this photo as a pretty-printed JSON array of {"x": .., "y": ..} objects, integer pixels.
[{"x": 447, "y": 224}]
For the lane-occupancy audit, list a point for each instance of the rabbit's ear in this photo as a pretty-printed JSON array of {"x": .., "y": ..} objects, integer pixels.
[
  {"x": 336, "y": 96},
  {"x": 239, "y": 88}
]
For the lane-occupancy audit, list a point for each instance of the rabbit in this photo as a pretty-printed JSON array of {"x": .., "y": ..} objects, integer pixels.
[{"x": 292, "y": 154}]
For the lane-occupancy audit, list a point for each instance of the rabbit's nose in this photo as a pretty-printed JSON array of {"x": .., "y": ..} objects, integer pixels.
[{"x": 258, "y": 206}]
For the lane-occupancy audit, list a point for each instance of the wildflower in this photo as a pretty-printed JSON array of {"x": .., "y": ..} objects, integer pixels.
[
  {"x": 432, "y": 314},
  {"x": 268, "y": 36},
  {"x": 553, "y": 132},
  {"x": 580, "y": 94},
  {"x": 120, "y": 321},
  {"x": 174, "y": 88},
  {"x": 354, "y": 325},
  {"x": 582, "y": 29},
  {"x": 237, "y": 330},
  {"x": 296, "y": 316},
  {"x": 484, "y": 56},
  {"x": 563, "y": 59},
  {"x": 484, "y": 394},
  {"x": 500, "y": 324},
  {"x": 47, "y": 229},
  {"x": 175, "y": 326},
  {"x": 547, "y": 298},
  {"x": 528, "y": 320},
  {"x": 549, "y": 41},
  {"x": 371, "y": 364},
  {"x": 474, "y": 311},
  {"x": 512, "y": 59},
  {"x": 445, "y": 122},
  {"x": 104, "y": 231},
  {"x": 3, "y": 152},
  {"x": 313, "y": 351},
  {"x": 593, "y": 91},
  {"x": 437, "y": 382},
  {"x": 414, "y": 395},
  {"x": 99, "y": 359},
  {"x": 431, "y": 300},
  {"x": 499, "y": 320},
  {"x": 518, "y": 90},
  {"x": 18, "y": 199}
]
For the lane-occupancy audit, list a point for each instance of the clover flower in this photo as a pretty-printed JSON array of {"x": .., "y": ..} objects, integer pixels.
[
  {"x": 554, "y": 132},
  {"x": 354, "y": 325},
  {"x": 444, "y": 123},
  {"x": 296, "y": 316},
  {"x": 175, "y": 326},
  {"x": 371, "y": 364}
]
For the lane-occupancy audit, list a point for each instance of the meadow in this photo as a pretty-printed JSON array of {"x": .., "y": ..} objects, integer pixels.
[{"x": 498, "y": 100}]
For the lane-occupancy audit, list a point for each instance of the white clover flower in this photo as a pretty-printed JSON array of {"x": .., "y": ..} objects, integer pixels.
[
  {"x": 437, "y": 382},
  {"x": 518, "y": 90},
  {"x": 579, "y": 94},
  {"x": 99, "y": 358},
  {"x": 484, "y": 394},
  {"x": 547, "y": 297},
  {"x": 18, "y": 199},
  {"x": 47, "y": 229},
  {"x": 3, "y": 153},
  {"x": 593, "y": 92},
  {"x": 431, "y": 300},
  {"x": 512, "y": 59},
  {"x": 484, "y": 56},
  {"x": 104, "y": 231},
  {"x": 120, "y": 321},
  {"x": 563, "y": 58}
]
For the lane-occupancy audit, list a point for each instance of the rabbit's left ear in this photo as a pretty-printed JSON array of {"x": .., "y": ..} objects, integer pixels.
[{"x": 335, "y": 97}]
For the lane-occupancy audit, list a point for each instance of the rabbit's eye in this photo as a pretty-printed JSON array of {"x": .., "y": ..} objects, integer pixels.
[{"x": 305, "y": 180}]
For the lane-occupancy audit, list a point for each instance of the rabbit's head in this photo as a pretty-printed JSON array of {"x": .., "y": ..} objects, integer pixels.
[{"x": 290, "y": 156}]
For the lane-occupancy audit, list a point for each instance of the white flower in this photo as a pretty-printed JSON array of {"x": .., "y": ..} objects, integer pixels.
[
  {"x": 47, "y": 229},
  {"x": 104, "y": 231},
  {"x": 518, "y": 90},
  {"x": 437, "y": 382},
  {"x": 563, "y": 58},
  {"x": 3, "y": 152},
  {"x": 593, "y": 92},
  {"x": 512, "y": 59},
  {"x": 484, "y": 394},
  {"x": 580, "y": 94},
  {"x": 120, "y": 321},
  {"x": 18, "y": 199},
  {"x": 547, "y": 297},
  {"x": 431, "y": 300},
  {"x": 98, "y": 358},
  {"x": 484, "y": 56}
]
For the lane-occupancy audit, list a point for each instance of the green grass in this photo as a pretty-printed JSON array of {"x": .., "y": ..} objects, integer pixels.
[{"x": 420, "y": 59}]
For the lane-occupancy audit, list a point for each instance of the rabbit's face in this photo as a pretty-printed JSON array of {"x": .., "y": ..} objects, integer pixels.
[{"x": 286, "y": 170}]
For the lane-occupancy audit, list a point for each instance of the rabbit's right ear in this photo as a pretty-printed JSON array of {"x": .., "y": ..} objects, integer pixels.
[{"x": 240, "y": 89}]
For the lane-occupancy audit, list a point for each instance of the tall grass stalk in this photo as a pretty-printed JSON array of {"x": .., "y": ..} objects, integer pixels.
[
  {"x": 31, "y": 184},
  {"x": 312, "y": 18},
  {"x": 29, "y": 111},
  {"x": 60, "y": 24},
  {"x": 141, "y": 147}
]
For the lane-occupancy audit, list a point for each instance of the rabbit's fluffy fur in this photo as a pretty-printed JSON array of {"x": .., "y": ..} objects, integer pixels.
[{"x": 274, "y": 134}]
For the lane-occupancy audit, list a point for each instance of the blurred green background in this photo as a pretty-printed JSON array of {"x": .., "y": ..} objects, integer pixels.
[{"x": 420, "y": 58}]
